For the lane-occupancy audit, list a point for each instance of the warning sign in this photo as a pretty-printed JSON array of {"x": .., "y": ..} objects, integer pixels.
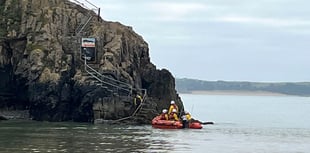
[
  {"x": 88, "y": 42},
  {"x": 88, "y": 49}
]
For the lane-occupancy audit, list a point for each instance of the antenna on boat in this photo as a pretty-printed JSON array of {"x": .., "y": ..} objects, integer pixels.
[{"x": 192, "y": 109}]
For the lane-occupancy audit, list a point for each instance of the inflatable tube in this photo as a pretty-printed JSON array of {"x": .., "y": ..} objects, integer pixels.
[{"x": 168, "y": 124}]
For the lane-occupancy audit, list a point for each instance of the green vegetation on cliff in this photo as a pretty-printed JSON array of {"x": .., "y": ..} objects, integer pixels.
[{"x": 289, "y": 88}]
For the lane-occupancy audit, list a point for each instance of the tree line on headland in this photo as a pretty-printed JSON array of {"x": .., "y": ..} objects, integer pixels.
[{"x": 185, "y": 85}]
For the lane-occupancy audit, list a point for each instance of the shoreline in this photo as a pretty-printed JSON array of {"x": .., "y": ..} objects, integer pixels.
[{"x": 235, "y": 92}]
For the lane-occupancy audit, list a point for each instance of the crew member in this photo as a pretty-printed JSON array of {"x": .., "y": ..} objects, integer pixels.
[
  {"x": 173, "y": 106},
  {"x": 188, "y": 116},
  {"x": 164, "y": 115},
  {"x": 185, "y": 122},
  {"x": 137, "y": 100},
  {"x": 173, "y": 115}
]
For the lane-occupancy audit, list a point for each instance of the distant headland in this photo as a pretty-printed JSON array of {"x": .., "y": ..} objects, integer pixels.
[{"x": 195, "y": 86}]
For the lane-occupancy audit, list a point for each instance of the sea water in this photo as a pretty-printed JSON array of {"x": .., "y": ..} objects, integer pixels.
[
  {"x": 259, "y": 124},
  {"x": 243, "y": 124}
]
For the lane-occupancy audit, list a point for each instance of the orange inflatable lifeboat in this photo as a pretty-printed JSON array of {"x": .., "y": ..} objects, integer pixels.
[{"x": 167, "y": 124}]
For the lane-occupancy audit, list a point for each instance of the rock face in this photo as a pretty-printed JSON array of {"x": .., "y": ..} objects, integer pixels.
[{"x": 41, "y": 69}]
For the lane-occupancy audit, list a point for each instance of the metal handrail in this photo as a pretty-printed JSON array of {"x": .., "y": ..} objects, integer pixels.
[
  {"x": 101, "y": 81},
  {"x": 132, "y": 115},
  {"x": 92, "y": 4},
  {"x": 82, "y": 4},
  {"x": 144, "y": 91},
  {"x": 81, "y": 27},
  {"x": 127, "y": 88},
  {"x": 101, "y": 75}
]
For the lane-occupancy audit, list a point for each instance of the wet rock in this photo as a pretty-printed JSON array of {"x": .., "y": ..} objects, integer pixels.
[
  {"x": 14, "y": 114},
  {"x": 3, "y": 118}
]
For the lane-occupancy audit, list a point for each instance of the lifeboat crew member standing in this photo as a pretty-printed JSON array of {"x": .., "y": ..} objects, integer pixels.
[
  {"x": 173, "y": 106},
  {"x": 173, "y": 115},
  {"x": 164, "y": 115},
  {"x": 188, "y": 116}
]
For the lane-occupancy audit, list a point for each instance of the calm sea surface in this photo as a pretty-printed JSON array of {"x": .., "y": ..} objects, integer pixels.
[{"x": 243, "y": 124}]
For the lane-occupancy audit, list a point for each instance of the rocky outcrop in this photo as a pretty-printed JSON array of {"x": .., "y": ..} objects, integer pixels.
[
  {"x": 14, "y": 114},
  {"x": 41, "y": 69}
]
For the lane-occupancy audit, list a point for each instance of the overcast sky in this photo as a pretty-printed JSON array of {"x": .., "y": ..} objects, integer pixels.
[{"x": 233, "y": 40}]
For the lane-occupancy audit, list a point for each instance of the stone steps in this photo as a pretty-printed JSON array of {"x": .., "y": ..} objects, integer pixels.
[{"x": 146, "y": 112}]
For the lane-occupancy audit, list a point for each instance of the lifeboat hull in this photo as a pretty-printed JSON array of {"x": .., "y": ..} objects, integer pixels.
[
  {"x": 165, "y": 124},
  {"x": 195, "y": 125}
]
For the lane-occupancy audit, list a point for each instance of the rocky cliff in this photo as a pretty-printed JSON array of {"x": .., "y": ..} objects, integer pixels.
[{"x": 42, "y": 69}]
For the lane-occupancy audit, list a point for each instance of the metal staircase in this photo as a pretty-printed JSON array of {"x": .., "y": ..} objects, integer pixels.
[
  {"x": 112, "y": 85},
  {"x": 122, "y": 88},
  {"x": 109, "y": 82},
  {"x": 82, "y": 25},
  {"x": 90, "y": 16}
]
